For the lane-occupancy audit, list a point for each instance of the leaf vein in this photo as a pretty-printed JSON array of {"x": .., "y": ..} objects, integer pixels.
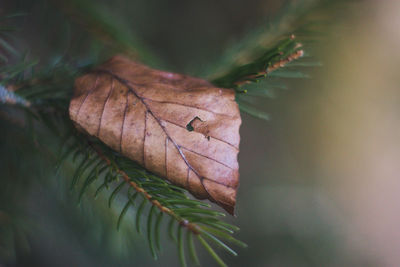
[
  {"x": 104, "y": 106},
  {"x": 123, "y": 123}
]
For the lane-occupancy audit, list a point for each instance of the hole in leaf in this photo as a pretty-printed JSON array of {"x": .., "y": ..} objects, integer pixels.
[{"x": 189, "y": 126}]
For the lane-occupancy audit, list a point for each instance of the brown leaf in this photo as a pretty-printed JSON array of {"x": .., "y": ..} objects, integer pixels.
[{"x": 179, "y": 127}]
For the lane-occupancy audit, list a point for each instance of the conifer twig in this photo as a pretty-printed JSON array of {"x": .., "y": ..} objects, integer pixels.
[
  {"x": 183, "y": 222},
  {"x": 9, "y": 97},
  {"x": 279, "y": 64}
]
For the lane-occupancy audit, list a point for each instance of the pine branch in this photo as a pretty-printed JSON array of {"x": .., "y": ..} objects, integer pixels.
[
  {"x": 295, "y": 17},
  {"x": 266, "y": 58},
  {"x": 265, "y": 68},
  {"x": 167, "y": 198},
  {"x": 190, "y": 226},
  {"x": 9, "y": 97},
  {"x": 275, "y": 66},
  {"x": 284, "y": 52},
  {"x": 96, "y": 161}
]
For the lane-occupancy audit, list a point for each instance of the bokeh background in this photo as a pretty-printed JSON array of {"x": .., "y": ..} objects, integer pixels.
[{"x": 320, "y": 181}]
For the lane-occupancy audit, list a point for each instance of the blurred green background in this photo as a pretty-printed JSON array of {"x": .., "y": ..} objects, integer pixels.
[{"x": 319, "y": 182}]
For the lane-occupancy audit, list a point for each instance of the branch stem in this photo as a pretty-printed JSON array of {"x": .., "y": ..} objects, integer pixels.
[
  {"x": 194, "y": 228},
  {"x": 280, "y": 64}
]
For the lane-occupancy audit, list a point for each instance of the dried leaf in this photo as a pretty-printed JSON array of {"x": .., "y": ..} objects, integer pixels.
[{"x": 179, "y": 127}]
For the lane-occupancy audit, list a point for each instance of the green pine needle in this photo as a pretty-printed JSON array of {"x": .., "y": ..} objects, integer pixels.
[
  {"x": 139, "y": 213},
  {"x": 181, "y": 248},
  {"x": 79, "y": 171},
  {"x": 211, "y": 251},
  {"x": 157, "y": 230},
  {"x": 219, "y": 243},
  {"x": 123, "y": 213},
  {"x": 171, "y": 230},
  {"x": 115, "y": 192},
  {"x": 150, "y": 237},
  {"x": 192, "y": 249},
  {"x": 225, "y": 236}
]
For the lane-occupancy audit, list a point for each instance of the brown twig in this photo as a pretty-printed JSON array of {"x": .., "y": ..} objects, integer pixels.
[
  {"x": 7, "y": 96},
  {"x": 296, "y": 55},
  {"x": 183, "y": 222},
  {"x": 281, "y": 63}
]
